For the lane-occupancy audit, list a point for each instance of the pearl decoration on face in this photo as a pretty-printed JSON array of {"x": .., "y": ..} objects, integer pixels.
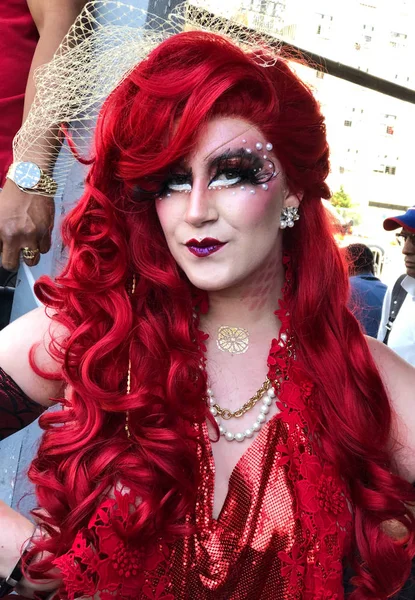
[
  {"x": 244, "y": 141},
  {"x": 264, "y": 186},
  {"x": 253, "y": 192},
  {"x": 269, "y": 147},
  {"x": 258, "y": 146},
  {"x": 243, "y": 188},
  {"x": 248, "y": 150},
  {"x": 267, "y": 400},
  {"x": 168, "y": 195}
]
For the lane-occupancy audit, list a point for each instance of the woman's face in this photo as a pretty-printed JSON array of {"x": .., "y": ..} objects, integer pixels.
[{"x": 221, "y": 209}]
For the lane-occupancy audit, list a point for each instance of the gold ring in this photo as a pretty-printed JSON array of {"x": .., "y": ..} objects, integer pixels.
[{"x": 29, "y": 254}]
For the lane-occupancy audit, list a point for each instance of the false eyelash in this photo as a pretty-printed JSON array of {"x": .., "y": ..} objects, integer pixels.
[
  {"x": 248, "y": 166},
  {"x": 150, "y": 188}
]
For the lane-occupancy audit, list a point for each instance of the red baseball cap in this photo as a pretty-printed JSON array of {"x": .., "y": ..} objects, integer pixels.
[{"x": 407, "y": 221}]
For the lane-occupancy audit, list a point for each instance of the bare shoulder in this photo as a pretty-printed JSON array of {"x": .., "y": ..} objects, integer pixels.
[
  {"x": 399, "y": 380},
  {"x": 16, "y": 341}
]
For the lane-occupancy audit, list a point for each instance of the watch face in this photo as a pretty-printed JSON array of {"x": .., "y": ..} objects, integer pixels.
[{"x": 27, "y": 175}]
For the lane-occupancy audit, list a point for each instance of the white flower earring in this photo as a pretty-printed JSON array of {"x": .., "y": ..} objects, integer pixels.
[{"x": 289, "y": 215}]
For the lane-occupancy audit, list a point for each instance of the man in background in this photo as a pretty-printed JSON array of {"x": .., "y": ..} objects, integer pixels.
[
  {"x": 397, "y": 327},
  {"x": 30, "y": 33},
  {"x": 367, "y": 291}
]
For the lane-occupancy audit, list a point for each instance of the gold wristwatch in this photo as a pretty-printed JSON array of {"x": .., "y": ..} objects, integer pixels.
[{"x": 30, "y": 178}]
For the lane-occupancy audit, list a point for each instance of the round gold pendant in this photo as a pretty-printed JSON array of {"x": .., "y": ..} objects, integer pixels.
[{"x": 234, "y": 340}]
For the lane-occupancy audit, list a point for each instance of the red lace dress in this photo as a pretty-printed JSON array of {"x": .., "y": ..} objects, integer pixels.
[{"x": 282, "y": 532}]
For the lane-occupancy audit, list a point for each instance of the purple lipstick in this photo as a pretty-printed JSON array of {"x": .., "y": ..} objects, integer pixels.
[{"x": 204, "y": 247}]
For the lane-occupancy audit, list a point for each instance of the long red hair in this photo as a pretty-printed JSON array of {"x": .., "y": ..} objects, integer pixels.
[{"x": 148, "y": 123}]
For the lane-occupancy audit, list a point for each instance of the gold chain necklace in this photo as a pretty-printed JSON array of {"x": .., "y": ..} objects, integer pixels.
[
  {"x": 225, "y": 413},
  {"x": 267, "y": 392}
]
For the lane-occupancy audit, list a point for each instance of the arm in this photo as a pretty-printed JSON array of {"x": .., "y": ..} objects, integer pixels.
[
  {"x": 385, "y": 314},
  {"x": 53, "y": 19},
  {"x": 16, "y": 340},
  {"x": 26, "y": 219},
  {"x": 399, "y": 379}
]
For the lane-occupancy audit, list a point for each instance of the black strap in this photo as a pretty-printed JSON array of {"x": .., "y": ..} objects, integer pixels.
[
  {"x": 7, "y": 585},
  {"x": 397, "y": 299}
]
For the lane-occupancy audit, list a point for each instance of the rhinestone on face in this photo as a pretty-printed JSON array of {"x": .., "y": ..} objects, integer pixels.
[
  {"x": 243, "y": 188},
  {"x": 248, "y": 150},
  {"x": 244, "y": 141},
  {"x": 258, "y": 146},
  {"x": 264, "y": 186},
  {"x": 252, "y": 192},
  {"x": 269, "y": 147}
]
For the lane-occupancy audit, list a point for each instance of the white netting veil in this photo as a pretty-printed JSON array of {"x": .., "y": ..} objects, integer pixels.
[{"x": 107, "y": 40}]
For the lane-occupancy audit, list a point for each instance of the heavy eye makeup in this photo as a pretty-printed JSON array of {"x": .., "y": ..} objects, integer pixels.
[{"x": 228, "y": 169}]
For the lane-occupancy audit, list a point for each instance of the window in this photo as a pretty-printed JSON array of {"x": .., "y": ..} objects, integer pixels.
[
  {"x": 320, "y": 75},
  {"x": 389, "y": 130},
  {"x": 368, "y": 38},
  {"x": 347, "y": 123},
  {"x": 341, "y": 169},
  {"x": 390, "y": 170},
  {"x": 319, "y": 30}
]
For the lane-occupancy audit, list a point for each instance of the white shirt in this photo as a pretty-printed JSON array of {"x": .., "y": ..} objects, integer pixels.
[{"x": 402, "y": 335}]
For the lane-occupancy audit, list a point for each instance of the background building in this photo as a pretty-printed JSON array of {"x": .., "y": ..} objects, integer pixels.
[{"x": 371, "y": 135}]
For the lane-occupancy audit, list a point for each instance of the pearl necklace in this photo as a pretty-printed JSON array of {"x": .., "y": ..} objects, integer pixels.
[{"x": 261, "y": 419}]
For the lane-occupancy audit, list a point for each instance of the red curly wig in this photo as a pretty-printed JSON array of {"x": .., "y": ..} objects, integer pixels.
[{"x": 148, "y": 123}]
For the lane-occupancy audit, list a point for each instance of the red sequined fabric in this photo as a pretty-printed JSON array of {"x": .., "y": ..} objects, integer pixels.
[{"x": 282, "y": 532}]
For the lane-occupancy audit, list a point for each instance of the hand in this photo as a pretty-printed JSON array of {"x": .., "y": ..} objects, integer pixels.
[
  {"x": 16, "y": 531},
  {"x": 26, "y": 221}
]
